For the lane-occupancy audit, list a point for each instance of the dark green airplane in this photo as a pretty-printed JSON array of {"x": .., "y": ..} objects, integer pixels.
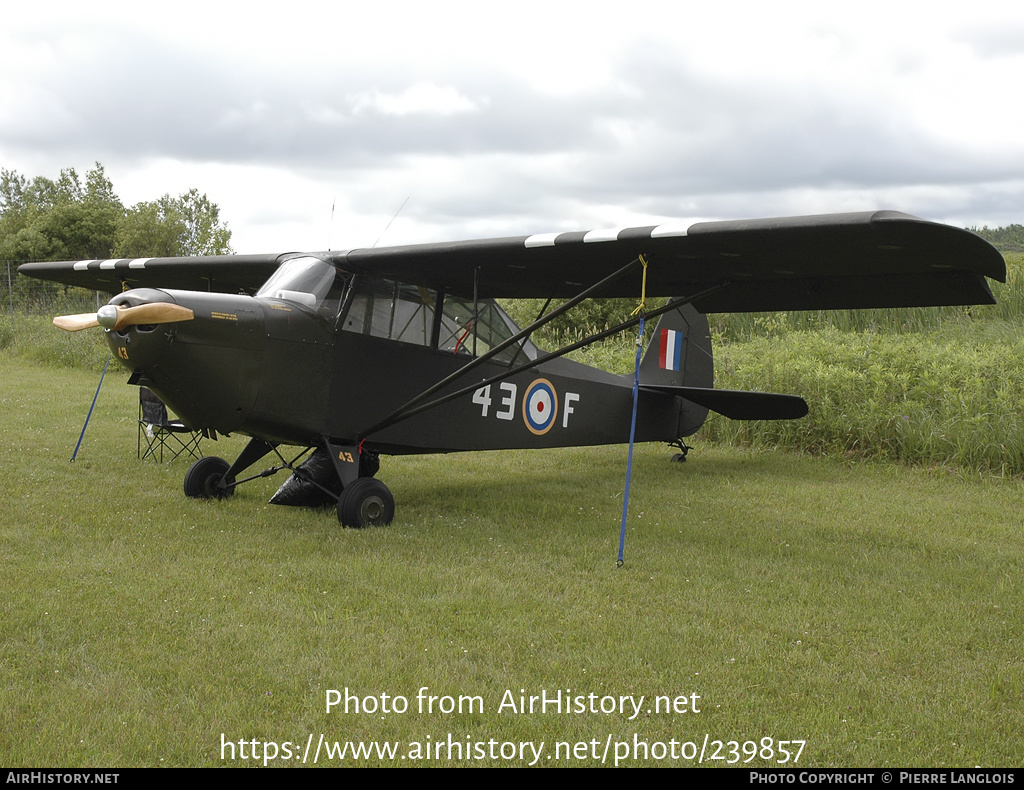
[{"x": 404, "y": 350}]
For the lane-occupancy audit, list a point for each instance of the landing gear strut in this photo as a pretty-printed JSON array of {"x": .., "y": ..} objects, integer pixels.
[{"x": 362, "y": 502}]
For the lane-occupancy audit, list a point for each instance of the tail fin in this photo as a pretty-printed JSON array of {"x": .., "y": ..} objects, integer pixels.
[
  {"x": 679, "y": 355},
  {"x": 679, "y": 361},
  {"x": 680, "y": 351}
]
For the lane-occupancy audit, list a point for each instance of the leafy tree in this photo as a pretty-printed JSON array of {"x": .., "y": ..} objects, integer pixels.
[
  {"x": 67, "y": 219},
  {"x": 1008, "y": 239},
  {"x": 45, "y": 219},
  {"x": 12, "y": 191},
  {"x": 204, "y": 235},
  {"x": 149, "y": 230},
  {"x": 185, "y": 225},
  {"x": 99, "y": 189}
]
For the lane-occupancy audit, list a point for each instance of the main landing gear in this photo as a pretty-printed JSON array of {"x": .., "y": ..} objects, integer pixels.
[
  {"x": 205, "y": 479},
  {"x": 348, "y": 480},
  {"x": 366, "y": 502}
]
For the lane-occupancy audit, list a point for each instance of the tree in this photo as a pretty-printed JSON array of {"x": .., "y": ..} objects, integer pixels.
[
  {"x": 1008, "y": 239},
  {"x": 45, "y": 219},
  {"x": 204, "y": 235},
  {"x": 168, "y": 227},
  {"x": 12, "y": 191},
  {"x": 149, "y": 230},
  {"x": 67, "y": 219}
]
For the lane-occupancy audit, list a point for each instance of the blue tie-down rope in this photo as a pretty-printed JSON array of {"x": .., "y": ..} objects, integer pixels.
[
  {"x": 632, "y": 434},
  {"x": 89, "y": 415}
]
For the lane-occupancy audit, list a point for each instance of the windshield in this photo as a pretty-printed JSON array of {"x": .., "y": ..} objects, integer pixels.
[{"x": 311, "y": 282}]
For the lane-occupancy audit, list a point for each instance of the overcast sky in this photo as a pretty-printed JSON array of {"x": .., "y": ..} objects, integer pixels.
[{"x": 505, "y": 119}]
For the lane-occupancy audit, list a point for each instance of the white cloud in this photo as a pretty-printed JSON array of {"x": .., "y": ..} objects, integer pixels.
[
  {"x": 544, "y": 116},
  {"x": 421, "y": 98}
]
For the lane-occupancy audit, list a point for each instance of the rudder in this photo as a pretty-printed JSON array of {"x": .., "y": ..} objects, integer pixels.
[{"x": 679, "y": 353}]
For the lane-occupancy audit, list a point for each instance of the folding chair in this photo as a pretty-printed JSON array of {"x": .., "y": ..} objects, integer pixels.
[{"x": 162, "y": 434}]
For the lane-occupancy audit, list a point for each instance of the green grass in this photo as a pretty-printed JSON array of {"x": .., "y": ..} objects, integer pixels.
[
  {"x": 34, "y": 338},
  {"x": 1009, "y": 309},
  {"x": 949, "y": 396},
  {"x": 869, "y": 609},
  {"x": 949, "y": 399}
]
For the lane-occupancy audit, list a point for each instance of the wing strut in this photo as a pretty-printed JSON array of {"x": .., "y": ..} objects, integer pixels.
[
  {"x": 411, "y": 410},
  {"x": 408, "y": 409}
]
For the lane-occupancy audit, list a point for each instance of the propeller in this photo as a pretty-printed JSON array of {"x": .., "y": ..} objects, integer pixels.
[{"x": 115, "y": 317}]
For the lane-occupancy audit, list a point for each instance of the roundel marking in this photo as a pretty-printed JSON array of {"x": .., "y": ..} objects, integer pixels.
[{"x": 540, "y": 406}]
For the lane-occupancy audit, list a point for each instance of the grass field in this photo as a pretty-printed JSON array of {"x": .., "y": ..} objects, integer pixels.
[{"x": 870, "y": 610}]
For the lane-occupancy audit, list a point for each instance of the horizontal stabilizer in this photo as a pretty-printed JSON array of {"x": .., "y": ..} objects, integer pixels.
[{"x": 738, "y": 405}]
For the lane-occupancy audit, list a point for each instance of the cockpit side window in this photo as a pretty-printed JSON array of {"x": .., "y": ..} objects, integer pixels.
[
  {"x": 465, "y": 331},
  {"x": 385, "y": 308},
  {"x": 408, "y": 314}
]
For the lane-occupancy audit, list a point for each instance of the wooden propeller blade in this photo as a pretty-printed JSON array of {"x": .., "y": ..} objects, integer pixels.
[
  {"x": 117, "y": 317},
  {"x": 72, "y": 323},
  {"x": 152, "y": 313}
]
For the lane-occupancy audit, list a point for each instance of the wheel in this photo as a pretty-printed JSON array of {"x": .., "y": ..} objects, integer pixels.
[
  {"x": 365, "y": 502},
  {"x": 679, "y": 458},
  {"x": 202, "y": 478}
]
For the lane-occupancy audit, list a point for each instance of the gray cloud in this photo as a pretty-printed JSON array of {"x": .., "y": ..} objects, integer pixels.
[{"x": 488, "y": 149}]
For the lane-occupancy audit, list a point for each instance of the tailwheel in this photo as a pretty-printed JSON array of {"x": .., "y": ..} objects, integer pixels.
[
  {"x": 366, "y": 502},
  {"x": 680, "y": 457},
  {"x": 205, "y": 479}
]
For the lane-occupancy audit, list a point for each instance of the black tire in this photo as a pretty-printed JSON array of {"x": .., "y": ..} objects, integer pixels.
[
  {"x": 366, "y": 502},
  {"x": 203, "y": 477}
]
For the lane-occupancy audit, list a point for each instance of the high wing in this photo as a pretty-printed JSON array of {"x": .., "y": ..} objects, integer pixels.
[
  {"x": 219, "y": 273},
  {"x": 863, "y": 260},
  {"x": 832, "y": 261}
]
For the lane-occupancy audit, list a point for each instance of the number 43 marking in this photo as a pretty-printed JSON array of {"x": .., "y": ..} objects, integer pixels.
[
  {"x": 482, "y": 397},
  {"x": 507, "y": 402}
]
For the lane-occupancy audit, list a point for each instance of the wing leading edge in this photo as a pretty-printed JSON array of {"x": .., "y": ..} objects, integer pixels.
[
  {"x": 220, "y": 273},
  {"x": 831, "y": 261}
]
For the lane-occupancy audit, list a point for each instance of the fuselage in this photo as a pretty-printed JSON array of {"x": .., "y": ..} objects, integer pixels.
[{"x": 297, "y": 366}]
